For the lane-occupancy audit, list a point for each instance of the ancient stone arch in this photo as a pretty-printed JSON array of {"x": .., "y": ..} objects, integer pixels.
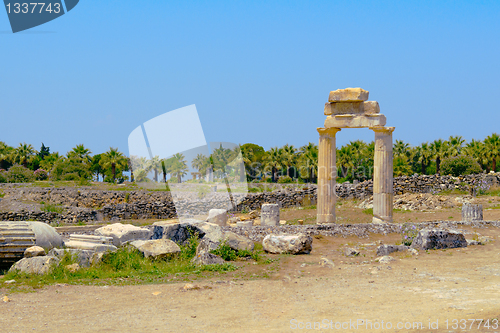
[{"x": 349, "y": 108}]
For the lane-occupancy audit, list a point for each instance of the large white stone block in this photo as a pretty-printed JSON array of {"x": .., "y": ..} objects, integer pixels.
[
  {"x": 123, "y": 233},
  {"x": 292, "y": 244}
]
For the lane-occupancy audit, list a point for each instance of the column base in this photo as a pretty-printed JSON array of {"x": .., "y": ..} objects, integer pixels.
[
  {"x": 325, "y": 218},
  {"x": 382, "y": 219}
]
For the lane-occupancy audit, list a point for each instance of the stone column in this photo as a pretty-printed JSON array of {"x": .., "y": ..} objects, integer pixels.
[
  {"x": 383, "y": 192},
  {"x": 327, "y": 174}
]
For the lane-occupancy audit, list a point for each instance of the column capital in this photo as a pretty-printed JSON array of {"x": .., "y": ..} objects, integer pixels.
[
  {"x": 383, "y": 129},
  {"x": 328, "y": 131}
]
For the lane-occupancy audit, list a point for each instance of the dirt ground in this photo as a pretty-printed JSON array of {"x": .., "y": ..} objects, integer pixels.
[{"x": 432, "y": 287}]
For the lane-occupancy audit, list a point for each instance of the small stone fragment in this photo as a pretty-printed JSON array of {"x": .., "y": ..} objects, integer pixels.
[
  {"x": 72, "y": 268},
  {"x": 385, "y": 259},
  {"x": 350, "y": 252},
  {"x": 34, "y": 251},
  {"x": 325, "y": 262}
]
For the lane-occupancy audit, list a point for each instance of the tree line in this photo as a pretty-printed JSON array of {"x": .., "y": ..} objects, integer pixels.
[
  {"x": 77, "y": 164},
  {"x": 454, "y": 156},
  {"x": 278, "y": 164}
]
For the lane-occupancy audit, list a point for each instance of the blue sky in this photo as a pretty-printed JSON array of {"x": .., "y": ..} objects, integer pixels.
[{"x": 258, "y": 71}]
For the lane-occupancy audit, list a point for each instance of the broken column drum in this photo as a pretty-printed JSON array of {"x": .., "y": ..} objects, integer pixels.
[{"x": 349, "y": 108}]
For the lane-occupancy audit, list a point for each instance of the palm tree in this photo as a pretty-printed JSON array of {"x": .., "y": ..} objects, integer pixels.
[
  {"x": 401, "y": 149},
  {"x": 454, "y": 144},
  {"x": 221, "y": 158},
  {"x": 5, "y": 152},
  {"x": 401, "y": 166},
  {"x": 308, "y": 161},
  {"x": 81, "y": 152},
  {"x": 199, "y": 163},
  {"x": 345, "y": 159},
  {"x": 113, "y": 159},
  {"x": 438, "y": 149},
  {"x": 49, "y": 161},
  {"x": 178, "y": 166},
  {"x": 273, "y": 161},
  {"x": 425, "y": 153},
  {"x": 492, "y": 144},
  {"x": 289, "y": 157},
  {"x": 23, "y": 154},
  {"x": 155, "y": 164},
  {"x": 477, "y": 150}
]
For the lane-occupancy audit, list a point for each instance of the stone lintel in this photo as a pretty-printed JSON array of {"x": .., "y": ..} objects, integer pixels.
[
  {"x": 356, "y": 121},
  {"x": 356, "y": 108},
  {"x": 348, "y": 95}
]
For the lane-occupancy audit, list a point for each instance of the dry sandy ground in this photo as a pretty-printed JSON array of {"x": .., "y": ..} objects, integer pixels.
[{"x": 455, "y": 284}]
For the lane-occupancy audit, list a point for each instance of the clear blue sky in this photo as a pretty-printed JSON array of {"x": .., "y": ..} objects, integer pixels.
[{"x": 258, "y": 71}]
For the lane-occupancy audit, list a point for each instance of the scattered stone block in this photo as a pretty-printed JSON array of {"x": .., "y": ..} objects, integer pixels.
[
  {"x": 178, "y": 232},
  {"x": 211, "y": 232},
  {"x": 293, "y": 244},
  {"x": 91, "y": 243},
  {"x": 350, "y": 252},
  {"x": 72, "y": 268},
  {"x": 85, "y": 258},
  {"x": 235, "y": 220},
  {"x": 384, "y": 250},
  {"x": 413, "y": 252},
  {"x": 385, "y": 259},
  {"x": 157, "y": 249},
  {"x": 206, "y": 245},
  {"x": 325, "y": 262},
  {"x": 35, "y": 265},
  {"x": 253, "y": 214},
  {"x": 348, "y": 95},
  {"x": 430, "y": 239},
  {"x": 45, "y": 235},
  {"x": 270, "y": 214},
  {"x": 471, "y": 213},
  {"x": 34, "y": 251},
  {"x": 248, "y": 223},
  {"x": 123, "y": 233},
  {"x": 218, "y": 216},
  {"x": 207, "y": 258},
  {"x": 237, "y": 242}
]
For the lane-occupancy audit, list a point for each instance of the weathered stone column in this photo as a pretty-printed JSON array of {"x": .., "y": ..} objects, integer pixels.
[
  {"x": 383, "y": 192},
  {"x": 327, "y": 174}
]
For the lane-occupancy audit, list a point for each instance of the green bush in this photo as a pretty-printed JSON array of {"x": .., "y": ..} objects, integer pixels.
[
  {"x": 19, "y": 174},
  {"x": 224, "y": 251},
  {"x": 73, "y": 168},
  {"x": 3, "y": 176},
  {"x": 460, "y": 166},
  {"x": 285, "y": 180}
]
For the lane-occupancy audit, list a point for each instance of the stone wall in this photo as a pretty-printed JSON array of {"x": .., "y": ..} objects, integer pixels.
[{"x": 87, "y": 205}]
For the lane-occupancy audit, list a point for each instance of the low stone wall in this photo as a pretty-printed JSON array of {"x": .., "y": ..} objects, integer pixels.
[{"x": 87, "y": 205}]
